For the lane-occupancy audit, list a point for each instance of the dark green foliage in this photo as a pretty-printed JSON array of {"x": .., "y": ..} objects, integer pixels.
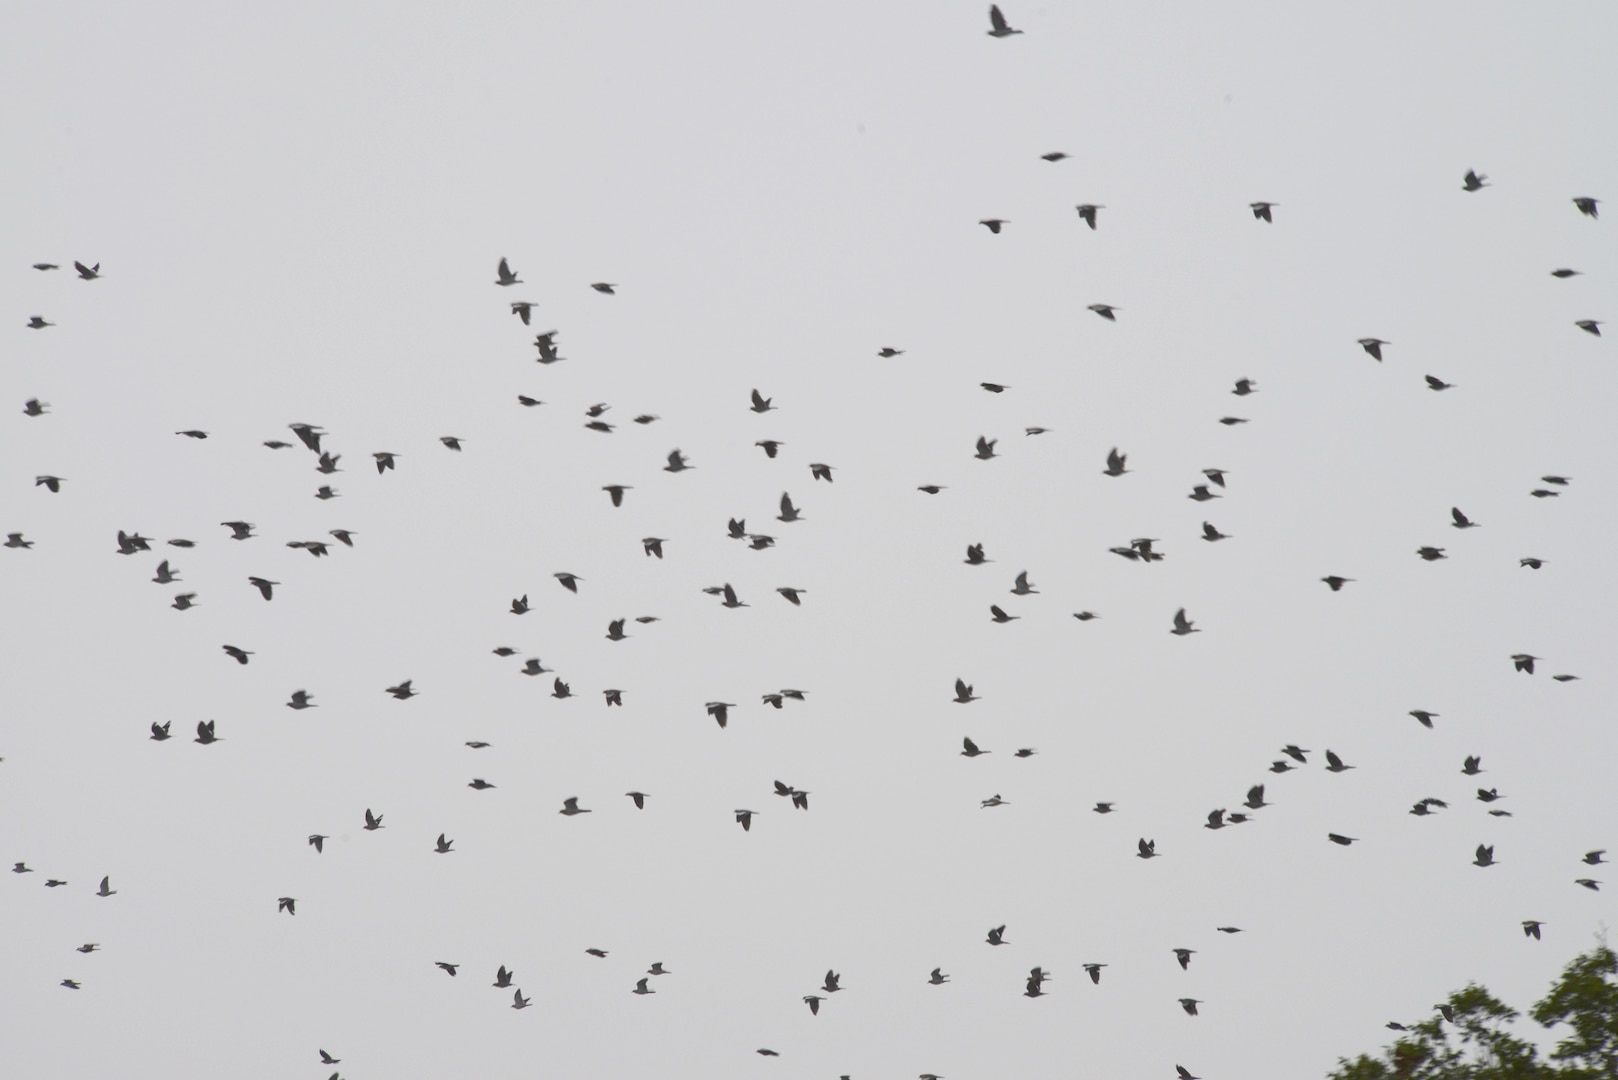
[{"x": 1479, "y": 1043}]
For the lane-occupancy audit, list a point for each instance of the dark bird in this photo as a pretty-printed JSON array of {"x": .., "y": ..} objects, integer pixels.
[
  {"x": 450, "y": 968},
  {"x": 1586, "y": 205},
  {"x": 1255, "y": 798},
  {"x": 605, "y": 287},
  {"x": 160, "y": 732},
  {"x": 975, "y": 556},
  {"x": 771, "y": 447},
  {"x": 831, "y": 984},
  {"x": 997, "y": 935},
  {"x": 528, "y": 402},
  {"x": 985, "y": 449},
  {"x": 1228, "y": 929},
  {"x": 1184, "y": 957},
  {"x": 788, "y": 511},
  {"x": 1054, "y": 156},
  {"x": 600, "y": 954},
  {"x": 1335, "y": 763},
  {"x": 308, "y": 434},
  {"x": 1489, "y": 795},
  {"x": 1523, "y": 662},
  {"x": 46, "y": 266},
  {"x": 1094, "y": 971},
  {"x": 1190, "y": 1005},
  {"x": 327, "y": 1059},
  {"x": 384, "y": 461},
  {"x": 761, "y": 404},
  {"x": 615, "y": 630},
  {"x": 744, "y": 818},
  {"x": 1147, "y": 849},
  {"x": 518, "y": 1001},
  {"x": 326, "y": 491},
  {"x": 1588, "y": 883},
  {"x": 444, "y": 844},
  {"x": 1231, "y": 421},
  {"x": 1485, "y": 855},
  {"x": 373, "y": 822},
  {"x": 402, "y": 692},
  {"x": 1338, "y": 838},
  {"x": 616, "y": 493},
  {"x": 638, "y": 798},
  {"x": 963, "y": 692},
  {"x": 730, "y": 600},
  {"x": 999, "y": 28},
  {"x": 1021, "y": 586},
  {"x": 1105, "y": 311},
  {"x": 238, "y": 655},
  {"x": 239, "y": 530},
  {"x": 1087, "y": 213},
  {"x": 1474, "y": 181},
  {"x": 184, "y": 602},
  {"x": 998, "y": 615},
  {"x": 70, "y": 984},
  {"x": 792, "y": 595},
  {"x": 318, "y": 842},
  {"x": 15, "y": 540},
  {"x": 1530, "y": 928},
  {"x": 193, "y": 433},
  {"x": 1374, "y": 347},
  {"x": 652, "y": 545},
  {"x": 90, "y": 273},
  {"x": 1115, "y": 463},
  {"x": 1435, "y": 383},
  {"x": 35, "y": 407},
  {"x": 720, "y": 711},
  {"x": 451, "y": 441},
  {"x": 820, "y": 471},
  {"x": 972, "y": 749},
  {"x": 106, "y": 888},
  {"x": 938, "y": 978},
  {"x": 1593, "y": 858},
  {"x": 1102, "y": 808},
  {"x": 1425, "y": 717},
  {"x": 37, "y": 322},
  {"x": 560, "y": 689},
  {"x": 994, "y": 388},
  {"x": 1245, "y": 387},
  {"x": 677, "y": 462},
  {"x": 523, "y": 309},
  {"x": 1183, "y": 625},
  {"x": 994, "y": 225},
  {"x": 546, "y": 345},
  {"x": 1261, "y": 210},
  {"x": 533, "y": 666},
  {"x": 519, "y": 606},
  {"x": 480, "y": 784},
  {"x": 642, "y": 988},
  {"x": 1335, "y": 582},
  {"x": 1431, "y": 554},
  {"x": 328, "y": 463},
  {"x": 1200, "y": 493},
  {"x": 265, "y": 587},
  {"x": 931, "y": 489},
  {"x": 506, "y": 276},
  {"x": 1296, "y": 753},
  {"x": 1565, "y": 273},
  {"x": 570, "y": 806},
  {"x": 1461, "y": 521},
  {"x": 1185, "y": 1073},
  {"x": 287, "y": 904},
  {"x": 888, "y": 352},
  {"x": 1589, "y": 326},
  {"x": 993, "y": 801},
  {"x": 567, "y": 581}
]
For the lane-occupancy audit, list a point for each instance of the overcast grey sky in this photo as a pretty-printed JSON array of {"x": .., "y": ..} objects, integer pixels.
[{"x": 298, "y": 209}]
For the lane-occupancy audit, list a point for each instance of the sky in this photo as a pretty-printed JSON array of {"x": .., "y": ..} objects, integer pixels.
[{"x": 297, "y": 211}]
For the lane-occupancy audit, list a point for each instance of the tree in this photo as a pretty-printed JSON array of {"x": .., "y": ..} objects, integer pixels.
[{"x": 1475, "y": 1042}]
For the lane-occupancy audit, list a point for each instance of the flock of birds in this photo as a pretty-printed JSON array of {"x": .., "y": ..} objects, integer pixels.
[{"x": 1144, "y": 550}]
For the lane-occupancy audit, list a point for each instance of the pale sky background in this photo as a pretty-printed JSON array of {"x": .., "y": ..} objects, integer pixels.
[{"x": 298, "y": 209}]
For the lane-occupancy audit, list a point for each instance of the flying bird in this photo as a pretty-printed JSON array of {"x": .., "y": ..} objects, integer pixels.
[
  {"x": 373, "y": 822},
  {"x": 287, "y": 904},
  {"x": 1261, "y": 210},
  {"x": 238, "y": 655},
  {"x": 1183, "y": 625},
  {"x": 265, "y": 587},
  {"x": 506, "y": 277},
  {"x": 998, "y": 27},
  {"x": 1374, "y": 347},
  {"x": 1336, "y": 583},
  {"x": 90, "y": 273},
  {"x": 1586, "y": 206},
  {"x": 570, "y": 806},
  {"x": 1474, "y": 181},
  {"x": 1087, "y": 213}
]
